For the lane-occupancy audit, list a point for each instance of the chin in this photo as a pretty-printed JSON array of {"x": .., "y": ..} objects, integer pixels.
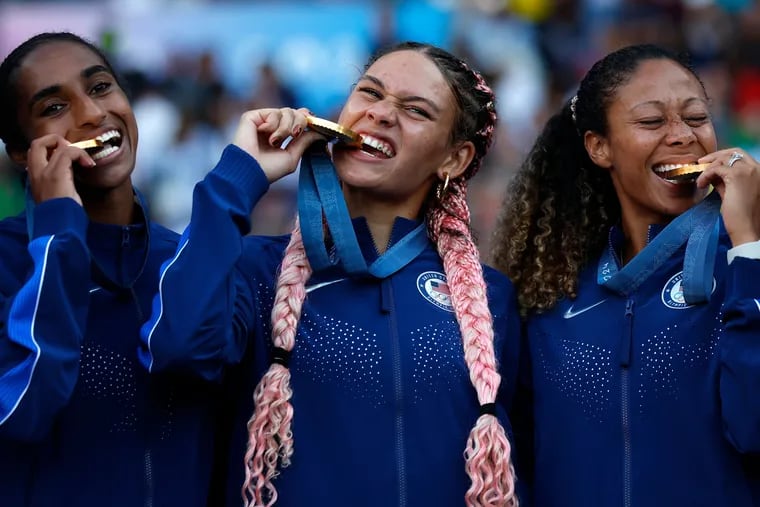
[
  {"x": 103, "y": 182},
  {"x": 679, "y": 207}
]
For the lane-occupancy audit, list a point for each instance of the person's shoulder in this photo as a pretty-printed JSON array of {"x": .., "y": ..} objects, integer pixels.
[
  {"x": 14, "y": 229},
  {"x": 277, "y": 242},
  {"x": 161, "y": 234},
  {"x": 261, "y": 258},
  {"x": 162, "y": 242},
  {"x": 265, "y": 247},
  {"x": 14, "y": 253},
  {"x": 495, "y": 277},
  {"x": 499, "y": 285}
]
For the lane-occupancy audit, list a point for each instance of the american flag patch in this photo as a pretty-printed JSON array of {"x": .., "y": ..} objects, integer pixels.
[{"x": 441, "y": 287}]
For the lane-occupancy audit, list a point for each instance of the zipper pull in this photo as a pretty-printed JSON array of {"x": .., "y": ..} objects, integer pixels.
[
  {"x": 124, "y": 237},
  {"x": 626, "y": 339}
]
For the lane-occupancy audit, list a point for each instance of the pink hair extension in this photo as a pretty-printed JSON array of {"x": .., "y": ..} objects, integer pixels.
[
  {"x": 270, "y": 438},
  {"x": 487, "y": 454}
]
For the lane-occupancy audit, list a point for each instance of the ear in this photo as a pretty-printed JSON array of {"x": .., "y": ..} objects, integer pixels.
[
  {"x": 457, "y": 161},
  {"x": 598, "y": 149}
]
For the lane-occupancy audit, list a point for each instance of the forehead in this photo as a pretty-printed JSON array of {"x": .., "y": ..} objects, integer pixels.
[
  {"x": 53, "y": 64},
  {"x": 410, "y": 73},
  {"x": 659, "y": 81}
]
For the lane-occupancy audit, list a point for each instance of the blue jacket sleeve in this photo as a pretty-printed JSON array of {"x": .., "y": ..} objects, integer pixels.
[
  {"x": 42, "y": 325},
  {"x": 203, "y": 311},
  {"x": 740, "y": 356}
]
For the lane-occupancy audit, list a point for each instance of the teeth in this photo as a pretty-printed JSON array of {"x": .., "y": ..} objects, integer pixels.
[
  {"x": 111, "y": 134},
  {"x": 107, "y": 148},
  {"x": 378, "y": 145},
  {"x": 104, "y": 152}
]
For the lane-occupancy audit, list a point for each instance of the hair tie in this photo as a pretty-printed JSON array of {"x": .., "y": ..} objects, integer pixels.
[
  {"x": 488, "y": 409},
  {"x": 281, "y": 356}
]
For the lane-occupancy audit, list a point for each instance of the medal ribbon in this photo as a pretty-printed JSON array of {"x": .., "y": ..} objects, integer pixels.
[
  {"x": 699, "y": 228},
  {"x": 320, "y": 200}
]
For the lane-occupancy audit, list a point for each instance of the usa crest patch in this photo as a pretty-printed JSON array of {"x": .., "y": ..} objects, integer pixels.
[{"x": 433, "y": 287}]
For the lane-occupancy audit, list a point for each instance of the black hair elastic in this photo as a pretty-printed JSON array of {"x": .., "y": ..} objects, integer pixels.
[
  {"x": 281, "y": 356},
  {"x": 488, "y": 408}
]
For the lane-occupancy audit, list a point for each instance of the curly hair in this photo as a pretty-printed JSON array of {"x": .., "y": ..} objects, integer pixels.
[
  {"x": 560, "y": 205},
  {"x": 487, "y": 451}
]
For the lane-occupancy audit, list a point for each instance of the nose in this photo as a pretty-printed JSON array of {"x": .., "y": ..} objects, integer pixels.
[
  {"x": 382, "y": 112},
  {"x": 679, "y": 132},
  {"x": 88, "y": 111}
]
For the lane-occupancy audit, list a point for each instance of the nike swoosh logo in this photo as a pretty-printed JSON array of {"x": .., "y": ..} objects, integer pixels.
[
  {"x": 95, "y": 289},
  {"x": 569, "y": 313},
  {"x": 316, "y": 286}
]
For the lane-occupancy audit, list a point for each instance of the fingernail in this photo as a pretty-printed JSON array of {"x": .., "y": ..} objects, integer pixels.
[
  {"x": 276, "y": 141},
  {"x": 297, "y": 130}
]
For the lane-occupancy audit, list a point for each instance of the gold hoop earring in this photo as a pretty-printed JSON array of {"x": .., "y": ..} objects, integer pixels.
[{"x": 441, "y": 190}]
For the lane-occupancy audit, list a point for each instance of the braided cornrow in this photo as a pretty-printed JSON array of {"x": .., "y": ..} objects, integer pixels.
[{"x": 484, "y": 136}]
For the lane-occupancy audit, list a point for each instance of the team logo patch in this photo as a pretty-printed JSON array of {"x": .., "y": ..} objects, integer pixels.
[
  {"x": 433, "y": 287},
  {"x": 672, "y": 293}
]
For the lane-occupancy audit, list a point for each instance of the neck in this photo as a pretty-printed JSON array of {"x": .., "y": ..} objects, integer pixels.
[
  {"x": 636, "y": 238},
  {"x": 116, "y": 206},
  {"x": 380, "y": 215},
  {"x": 381, "y": 234}
]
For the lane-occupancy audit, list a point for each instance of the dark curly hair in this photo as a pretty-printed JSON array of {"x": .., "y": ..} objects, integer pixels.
[{"x": 560, "y": 205}]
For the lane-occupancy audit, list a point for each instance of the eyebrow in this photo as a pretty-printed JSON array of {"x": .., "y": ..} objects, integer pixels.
[
  {"x": 52, "y": 90},
  {"x": 660, "y": 103},
  {"x": 408, "y": 98}
]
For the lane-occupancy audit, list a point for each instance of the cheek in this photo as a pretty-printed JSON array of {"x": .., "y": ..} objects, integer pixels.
[
  {"x": 33, "y": 129},
  {"x": 637, "y": 148},
  {"x": 132, "y": 126},
  {"x": 707, "y": 139},
  {"x": 351, "y": 110}
]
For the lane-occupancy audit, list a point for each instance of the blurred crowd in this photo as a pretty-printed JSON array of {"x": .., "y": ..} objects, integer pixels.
[{"x": 532, "y": 51}]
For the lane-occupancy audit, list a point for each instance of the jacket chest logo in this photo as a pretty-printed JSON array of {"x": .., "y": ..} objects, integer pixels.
[
  {"x": 672, "y": 292},
  {"x": 433, "y": 287}
]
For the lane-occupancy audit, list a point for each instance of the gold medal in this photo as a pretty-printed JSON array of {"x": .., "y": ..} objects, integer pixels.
[
  {"x": 90, "y": 143},
  {"x": 687, "y": 172},
  {"x": 334, "y": 131}
]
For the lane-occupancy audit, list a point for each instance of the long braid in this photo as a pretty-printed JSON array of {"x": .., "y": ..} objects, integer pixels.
[
  {"x": 270, "y": 437},
  {"x": 487, "y": 454}
]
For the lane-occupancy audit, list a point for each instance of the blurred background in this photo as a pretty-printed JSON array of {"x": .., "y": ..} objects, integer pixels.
[{"x": 193, "y": 66}]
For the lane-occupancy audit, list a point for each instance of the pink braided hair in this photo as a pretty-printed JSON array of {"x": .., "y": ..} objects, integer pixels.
[
  {"x": 487, "y": 455},
  {"x": 270, "y": 438}
]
